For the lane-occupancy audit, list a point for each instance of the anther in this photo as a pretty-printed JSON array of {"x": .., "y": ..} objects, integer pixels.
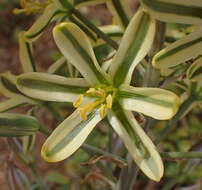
[
  {"x": 109, "y": 101},
  {"x": 78, "y": 102}
]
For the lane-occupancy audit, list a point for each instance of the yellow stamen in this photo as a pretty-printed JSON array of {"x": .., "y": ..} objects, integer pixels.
[
  {"x": 78, "y": 102},
  {"x": 109, "y": 101},
  {"x": 96, "y": 92},
  {"x": 103, "y": 110},
  {"x": 83, "y": 113}
]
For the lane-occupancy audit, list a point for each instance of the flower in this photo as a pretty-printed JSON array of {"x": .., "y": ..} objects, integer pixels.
[{"x": 103, "y": 94}]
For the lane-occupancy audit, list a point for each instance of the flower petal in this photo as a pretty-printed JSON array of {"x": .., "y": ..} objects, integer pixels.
[
  {"x": 42, "y": 22},
  {"x": 8, "y": 85},
  {"x": 121, "y": 11},
  {"x": 137, "y": 142},
  {"x": 180, "y": 51},
  {"x": 136, "y": 43},
  {"x": 69, "y": 136},
  {"x": 176, "y": 11},
  {"x": 76, "y": 47},
  {"x": 194, "y": 72},
  {"x": 154, "y": 102},
  {"x": 49, "y": 87},
  {"x": 17, "y": 125},
  {"x": 115, "y": 32},
  {"x": 25, "y": 54},
  {"x": 12, "y": 103},
  {"x": 63, "y": 68}
]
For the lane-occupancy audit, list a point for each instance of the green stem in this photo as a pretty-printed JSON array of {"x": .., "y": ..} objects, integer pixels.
[
  {"x": 38, "y": 178},
  {"x": 94, "y": 150},
  {"x": 181, "y": 155}
]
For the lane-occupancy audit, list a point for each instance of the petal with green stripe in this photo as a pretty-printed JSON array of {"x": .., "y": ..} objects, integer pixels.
[
  {"x": 63, "y": 68},
  {"x": 175, "y": 11},
  {"x": 69, "y": 136},
  {"x": 121, "y": 11},
  {"x": 180, "y": 51},
  {"x": 12, "y": 103},
  {"x": 42, "y": 22},
  {"x": 115, "y": 32},
  {"x": 194, "y": 72},
  {"x": 50, "y": 87},
  {"x": 8, "y": 85},
  {"x": 135, "y": 44},
  {"x": 17, "y": 125},
  {"x": 25, "y": 54},
  {"x": 76, "y": 47},
  {"x": 154, "y": 102},
  {"x": 137, "y": 142}
]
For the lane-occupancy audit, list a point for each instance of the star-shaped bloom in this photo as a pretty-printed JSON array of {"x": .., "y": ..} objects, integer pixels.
[{"x": 103, "y": 94}]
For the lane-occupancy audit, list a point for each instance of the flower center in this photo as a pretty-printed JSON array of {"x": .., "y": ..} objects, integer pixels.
[{"x": 103, "y": 99}]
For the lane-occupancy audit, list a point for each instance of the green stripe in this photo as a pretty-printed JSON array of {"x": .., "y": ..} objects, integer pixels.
[
  {"x": 28, "y": 47},
  {"x": 13, "y": 107},
  {"x": 23, "y": 122},
  {"x": 38, "y": 32},
  {"x": 177, "y": 49},
  {"x": 9, "y": 85},
  {"x": 83, "y": 54},
  {"x": 70, "y": 136},
  {"x": 131, "y": 95},
  {"x": 115, "y": 34},
  {"x": 51, "y": 87},
  {"x": 173, "y": 8},
  {"x": 120, "y": 11},
  {"x": 132, "y": 51},
  {"x": 84, "y": 28},
  {"x": 121, "y": 116}
]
